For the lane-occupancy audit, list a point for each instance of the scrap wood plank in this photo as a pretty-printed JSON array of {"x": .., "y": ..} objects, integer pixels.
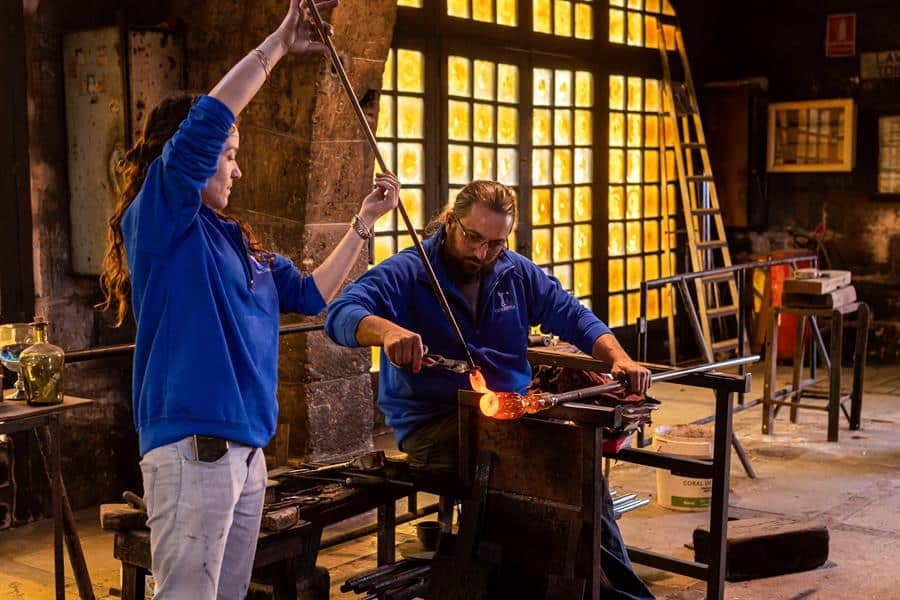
[{"x": 767, "y": 546}]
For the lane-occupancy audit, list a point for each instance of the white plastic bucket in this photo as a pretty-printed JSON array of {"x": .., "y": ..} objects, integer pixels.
[{"x": 672, "y": 490}]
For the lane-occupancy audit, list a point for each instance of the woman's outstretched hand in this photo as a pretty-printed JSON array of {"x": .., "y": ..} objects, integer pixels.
[
  {"x": 297, "y": 29},
  {"x": 381, "y": 199}
]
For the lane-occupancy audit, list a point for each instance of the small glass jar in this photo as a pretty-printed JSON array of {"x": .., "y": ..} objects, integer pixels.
[{"x": 42, "y": 367}]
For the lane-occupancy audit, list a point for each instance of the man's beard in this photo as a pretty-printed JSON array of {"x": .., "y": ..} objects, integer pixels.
[{"x": 462, "y": 270}]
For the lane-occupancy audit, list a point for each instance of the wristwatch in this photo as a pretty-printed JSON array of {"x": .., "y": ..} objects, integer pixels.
[{"x": 361, "y": 229}]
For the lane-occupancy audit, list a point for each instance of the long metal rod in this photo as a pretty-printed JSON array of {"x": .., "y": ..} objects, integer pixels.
[
  {"x": 590, "y": 392},
  {"x": 361, "y": 116},
  {"x": 99, "y": 352}
]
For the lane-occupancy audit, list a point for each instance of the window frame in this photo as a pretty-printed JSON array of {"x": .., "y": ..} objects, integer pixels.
[{"x": 430, "y": 30}]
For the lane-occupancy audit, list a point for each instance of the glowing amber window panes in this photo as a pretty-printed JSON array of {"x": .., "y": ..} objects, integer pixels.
[
  {"x": 562, "y": 172},
  {"x": 584, "y": 134},
  {"x": 616, "y": 203},
  {"x": 507, "y": 83},
  {"x": 483, "y": 123},
  {"x": 484, "y": 80},
  {"x": 562, "y": 205},
  {"x": 541, "y": 16},
  {"x": 583, "y": 204},
  {"x": 541, "y": 127},
  {"x": 540, "y": 243},
  {"x": 616, "y": 26},
  {"x": 458, "y": 8},
  {"x": 410, "y": 117},
  {"x": 501, "y": 12},
  {"x": 636, "y": 216},
  {"x": 459, "y": 168},
  {"x": 635, "y": 23},
  {"x": 540, "y": 207},
  {"x": 616, "y": 311},
  {"x": 508, "y": 166},
  {"x": 507, "y": 125},
  {"x": 410, "y": 71},
  {"x": 483, "y": 10},
  {"x": 507, "y": 12},
  {"x": 616, "y": 275},
  {"x": 400, "y": 132},
  {"x": 562, "y": 18},
  {"x": 458, "y": 76},
  {"x": 410, "y": 3},
  {"x": 457, "y": 120},
  {"x": 385, "y": 127},
  {"x": 583, "y": 241},
  {"x": 584, "y": 25},
  {"x": 582, "y": 279}
]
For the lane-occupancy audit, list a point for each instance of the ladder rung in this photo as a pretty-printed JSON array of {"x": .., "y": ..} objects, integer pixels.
[
  {"x": 717, "y": 278},
  {"x": 724, "y": 345},
  {"x": 705, "y": 211},
  {"x": 699, "y": 178},
  {"x": 721, "y": 311},
  {"x": 708, "y": 245}
]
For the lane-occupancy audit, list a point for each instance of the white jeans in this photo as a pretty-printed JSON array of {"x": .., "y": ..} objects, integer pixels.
[{"x": 204, "y": 520}]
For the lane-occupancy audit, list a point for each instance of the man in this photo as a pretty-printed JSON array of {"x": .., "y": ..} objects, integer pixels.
[{"x": 496, "y": 297}]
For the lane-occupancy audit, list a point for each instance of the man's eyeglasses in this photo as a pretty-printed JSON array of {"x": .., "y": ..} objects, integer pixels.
[{"x": 476, "y": 241}]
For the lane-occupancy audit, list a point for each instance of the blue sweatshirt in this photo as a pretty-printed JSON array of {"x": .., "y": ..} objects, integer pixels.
[
  {"x": 206, "y": 352},
  {"x": 514, "y": 296}
]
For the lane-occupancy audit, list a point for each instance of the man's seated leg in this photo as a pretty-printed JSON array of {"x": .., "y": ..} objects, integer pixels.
[
  {"x": 614, "y": 556},
  {"x": 434, "y": 446}
]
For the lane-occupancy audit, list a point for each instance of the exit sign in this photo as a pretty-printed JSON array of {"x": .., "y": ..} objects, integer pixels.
[{"x": 840, "y": 37}]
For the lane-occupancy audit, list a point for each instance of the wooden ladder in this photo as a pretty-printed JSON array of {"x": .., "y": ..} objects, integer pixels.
[{"x": 717, "y": 300}]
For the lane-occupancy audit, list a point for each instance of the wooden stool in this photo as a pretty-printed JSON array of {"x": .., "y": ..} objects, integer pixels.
[{"x": 791, "y": 396}]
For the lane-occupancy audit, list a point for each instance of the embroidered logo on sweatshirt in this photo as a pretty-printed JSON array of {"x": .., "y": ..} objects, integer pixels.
[{"x": 505, "y": 303}]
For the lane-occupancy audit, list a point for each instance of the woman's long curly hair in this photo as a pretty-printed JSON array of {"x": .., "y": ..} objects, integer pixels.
[{"x": 161, "y": 124}]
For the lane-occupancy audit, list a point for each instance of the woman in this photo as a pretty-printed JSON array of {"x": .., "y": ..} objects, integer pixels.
[{"x": 206, "y": 300}]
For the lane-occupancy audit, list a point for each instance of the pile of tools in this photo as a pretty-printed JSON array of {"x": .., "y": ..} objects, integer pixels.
[{"x": 399, "y": 581}]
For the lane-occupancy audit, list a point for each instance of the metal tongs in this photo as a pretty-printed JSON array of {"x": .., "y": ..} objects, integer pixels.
[{"x": 436, "y": 361}]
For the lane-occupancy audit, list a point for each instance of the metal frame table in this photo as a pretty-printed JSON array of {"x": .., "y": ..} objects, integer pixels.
[{"x": 17, "y": 416}]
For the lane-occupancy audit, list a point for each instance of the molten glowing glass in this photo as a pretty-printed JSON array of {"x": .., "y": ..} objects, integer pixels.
[{"x": 506, "y": 405}]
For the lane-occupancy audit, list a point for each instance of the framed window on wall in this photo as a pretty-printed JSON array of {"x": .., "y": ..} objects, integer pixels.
[
  {"x": 811, "y": 136},
  {"x": 888, "y": 180}
]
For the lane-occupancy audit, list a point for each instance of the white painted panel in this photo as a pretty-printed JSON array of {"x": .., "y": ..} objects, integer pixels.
[{"x": 95, "y": 124}]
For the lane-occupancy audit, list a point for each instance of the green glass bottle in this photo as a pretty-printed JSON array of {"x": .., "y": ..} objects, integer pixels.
[{"x": 42, "y": 368}]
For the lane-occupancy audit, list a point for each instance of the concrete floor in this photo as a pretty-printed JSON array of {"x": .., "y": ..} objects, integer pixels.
[{"x": 852, "y": 486}]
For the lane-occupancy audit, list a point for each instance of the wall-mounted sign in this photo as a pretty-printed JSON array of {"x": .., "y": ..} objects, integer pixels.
[
  {"x": 840, "y": 37},
  {"x": 880, "y": 65}
]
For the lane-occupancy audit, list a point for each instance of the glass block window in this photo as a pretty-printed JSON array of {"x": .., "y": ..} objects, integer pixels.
[
  {"x": 401, "y": 139},
  {"x": 641, "y": 199},
  {"x": 562, "y": 174},
  {"x": 633, "y": 22},
  {"x": 500, "y": 12},
  {"x": 564, "y": 18},
  {"x": 482, "y": 123}
]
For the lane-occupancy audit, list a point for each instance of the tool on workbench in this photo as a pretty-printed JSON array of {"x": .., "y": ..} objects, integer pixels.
[{"x": 368, "y": 462}]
